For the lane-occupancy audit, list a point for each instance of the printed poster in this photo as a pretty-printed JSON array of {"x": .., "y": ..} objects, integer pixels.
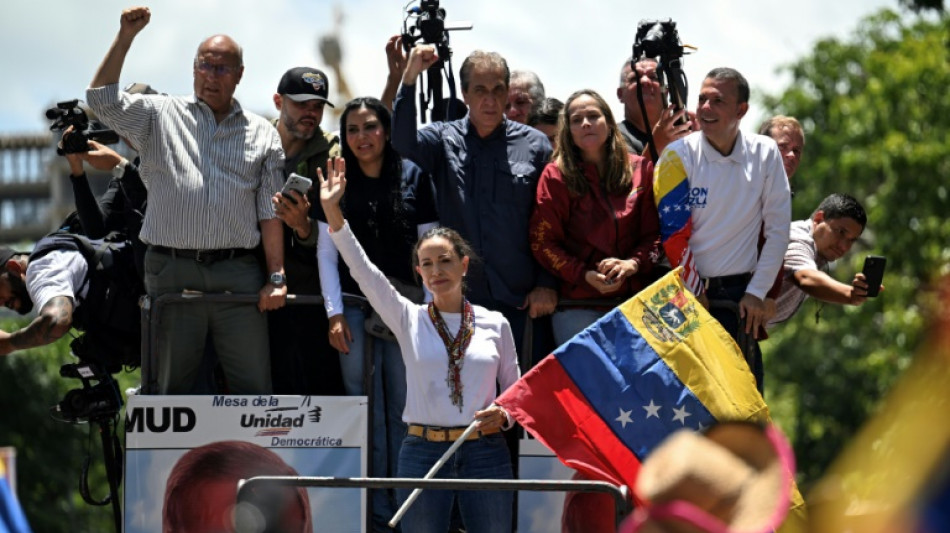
[{"x": 186, "y": 449}]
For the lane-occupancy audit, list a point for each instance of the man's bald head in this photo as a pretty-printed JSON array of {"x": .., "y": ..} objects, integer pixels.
[{"x": 218, "y": 68}]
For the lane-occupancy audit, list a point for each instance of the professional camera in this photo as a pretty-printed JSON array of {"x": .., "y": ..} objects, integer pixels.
[
  {"x": 657, "y": 39},
  {"x": 93, "y": 401},
  {"x": 430, "y": 28},
  {"x": 660, "y": 40},
  {"x": 69, "y": 113},
  {"x": 97, "y": 403}
]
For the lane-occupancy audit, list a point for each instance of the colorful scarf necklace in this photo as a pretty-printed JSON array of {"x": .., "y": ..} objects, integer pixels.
[{"x": 455, "y": 347}]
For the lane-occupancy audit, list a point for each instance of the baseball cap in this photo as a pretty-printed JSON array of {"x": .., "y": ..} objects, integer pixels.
[
  {"x": 5, "y": 255},
  {"x": 304, "y": 83}
]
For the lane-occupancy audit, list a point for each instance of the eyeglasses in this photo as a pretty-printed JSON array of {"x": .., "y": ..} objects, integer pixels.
[{"x": 205, "y": 67}]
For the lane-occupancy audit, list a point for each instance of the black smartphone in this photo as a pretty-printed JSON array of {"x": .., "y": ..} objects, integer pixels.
[{"x": 874, "y": 273}]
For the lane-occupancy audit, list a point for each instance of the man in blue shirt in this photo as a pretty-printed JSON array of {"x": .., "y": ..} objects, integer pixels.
[{"x": 485, "y": 169}]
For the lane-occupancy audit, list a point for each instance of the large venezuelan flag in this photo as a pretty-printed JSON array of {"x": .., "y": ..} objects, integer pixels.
[{"x": 656, "y": 364}]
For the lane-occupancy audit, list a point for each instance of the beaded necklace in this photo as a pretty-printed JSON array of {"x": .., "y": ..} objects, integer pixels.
[{"x": 455, "y": 347}]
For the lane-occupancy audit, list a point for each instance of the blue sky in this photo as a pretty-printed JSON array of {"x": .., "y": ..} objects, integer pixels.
[{"x": 52, "y": 48}]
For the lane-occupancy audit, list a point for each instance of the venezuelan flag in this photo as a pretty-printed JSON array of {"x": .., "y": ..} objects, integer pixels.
[
  {"x": 656, "y": 364},
  {"x": 671, "y": 194},
  {"x": 12, "y": 519}
]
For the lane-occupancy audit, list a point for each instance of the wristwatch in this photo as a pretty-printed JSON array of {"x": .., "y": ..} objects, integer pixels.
[
  {"x": 277, "y": 279},
  {"x": 119, "y": 170}
]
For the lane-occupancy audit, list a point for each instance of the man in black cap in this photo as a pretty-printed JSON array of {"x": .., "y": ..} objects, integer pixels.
[{"x": 302, "y": 363}]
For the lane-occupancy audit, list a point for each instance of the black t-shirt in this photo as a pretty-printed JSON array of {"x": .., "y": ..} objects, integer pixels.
[
  {"x": 636, "y": 140},
  {"x": 387, "y": 237}
]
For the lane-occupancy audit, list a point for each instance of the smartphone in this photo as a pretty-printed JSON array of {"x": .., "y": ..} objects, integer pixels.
[
  {"x": 295, "y": 182},
  {"x": 874, "y": 273}
]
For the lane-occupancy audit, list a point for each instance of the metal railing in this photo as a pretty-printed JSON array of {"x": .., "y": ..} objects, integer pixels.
[{"x": 620, "y": 495}]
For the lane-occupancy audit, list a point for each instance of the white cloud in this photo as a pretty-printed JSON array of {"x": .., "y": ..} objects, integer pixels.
[{"x": 52, "y": 49}]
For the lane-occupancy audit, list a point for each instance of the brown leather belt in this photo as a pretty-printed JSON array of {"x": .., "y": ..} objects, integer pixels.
[{"x": 437, "y": 434}]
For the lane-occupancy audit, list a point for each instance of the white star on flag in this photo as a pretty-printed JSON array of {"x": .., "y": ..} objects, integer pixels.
[
  {"x": 652, "y": 409},
  {"x": 624, "y": 417},
  {"x": 680, "y": 415}
]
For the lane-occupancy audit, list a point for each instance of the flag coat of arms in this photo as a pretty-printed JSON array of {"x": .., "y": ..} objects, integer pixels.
[{"x": 655, "y": 364}]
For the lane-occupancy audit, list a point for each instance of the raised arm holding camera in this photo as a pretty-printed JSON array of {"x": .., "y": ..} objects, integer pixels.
[{"x": 488, "y": 203}]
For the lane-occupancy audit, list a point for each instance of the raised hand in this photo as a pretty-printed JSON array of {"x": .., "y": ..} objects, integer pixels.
[
  {"x": 421, "y": 58},
  {"x": 395, "y": 56},
  {"x": 133, "y": 20},
  {"x": 331, "y": 191},
  {"x": 101, "y": 157}
]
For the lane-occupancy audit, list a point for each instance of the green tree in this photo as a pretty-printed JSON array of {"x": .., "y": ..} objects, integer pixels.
[
  {"x": 876, "y": 112},
  {"x": 50, "y": 453}
]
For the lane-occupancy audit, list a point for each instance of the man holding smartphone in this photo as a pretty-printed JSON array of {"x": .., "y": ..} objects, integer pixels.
[
  {"x": 302, "y": 363},
  {"x": 813, "y": 244}
]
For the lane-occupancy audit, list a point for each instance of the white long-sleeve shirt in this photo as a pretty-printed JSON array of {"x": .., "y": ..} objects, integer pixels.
[{"x": 490, "y": 360}]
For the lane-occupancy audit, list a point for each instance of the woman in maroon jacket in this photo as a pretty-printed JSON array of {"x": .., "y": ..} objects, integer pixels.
[{"x": 595, "y": 224}]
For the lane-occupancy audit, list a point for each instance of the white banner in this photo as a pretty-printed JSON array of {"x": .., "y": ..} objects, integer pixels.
[{"x": 202, "y": 440}]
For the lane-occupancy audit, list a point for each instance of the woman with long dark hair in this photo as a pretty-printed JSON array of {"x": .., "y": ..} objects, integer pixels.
[
  {"x": 595, "y": 225},
  {"x": 389, "y": 204},
  {"x": 456, "y": 356}
]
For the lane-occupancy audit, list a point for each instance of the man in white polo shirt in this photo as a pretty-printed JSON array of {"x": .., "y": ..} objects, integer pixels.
[{"x": 716, "y": 190}]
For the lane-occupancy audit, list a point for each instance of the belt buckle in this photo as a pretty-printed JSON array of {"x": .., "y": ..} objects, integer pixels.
[{"x": 201, "y": 256}]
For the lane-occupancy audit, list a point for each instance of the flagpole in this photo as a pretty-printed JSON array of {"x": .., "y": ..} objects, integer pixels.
[{"x": 432, "y": 471}]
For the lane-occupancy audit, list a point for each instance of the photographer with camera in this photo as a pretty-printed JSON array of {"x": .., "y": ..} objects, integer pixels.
[
  {"x": 63, "y": 273},
  {"x": 212, "y": 169},
  {"x": 121, "y": 207},
  {"x": 52, "y": 283},
  {"x": 664, "y": 121}
]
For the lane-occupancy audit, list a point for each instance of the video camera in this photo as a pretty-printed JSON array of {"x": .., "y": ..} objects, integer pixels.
[
  {"x": 91, "y": 402},
  {"x": 430, "y": 28},
  {"x": 69, "y": 113},
  {"x": 657, "y": 39},
  {"x": 98, "y": 404}
]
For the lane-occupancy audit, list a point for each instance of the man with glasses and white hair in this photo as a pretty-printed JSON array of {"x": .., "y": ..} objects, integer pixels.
[{"x": 211, "y": 169}]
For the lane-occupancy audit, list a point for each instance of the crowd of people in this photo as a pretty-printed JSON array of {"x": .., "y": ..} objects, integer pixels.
[{"x": 515, "y": 226}]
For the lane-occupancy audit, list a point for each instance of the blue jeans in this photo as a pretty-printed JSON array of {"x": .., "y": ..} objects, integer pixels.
[
  {"x": 389, "y": 401},
  {"x": 483, "y": 511},
  {"x": 570, "y": 322},
  {"x": 351, "y": 364}
]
